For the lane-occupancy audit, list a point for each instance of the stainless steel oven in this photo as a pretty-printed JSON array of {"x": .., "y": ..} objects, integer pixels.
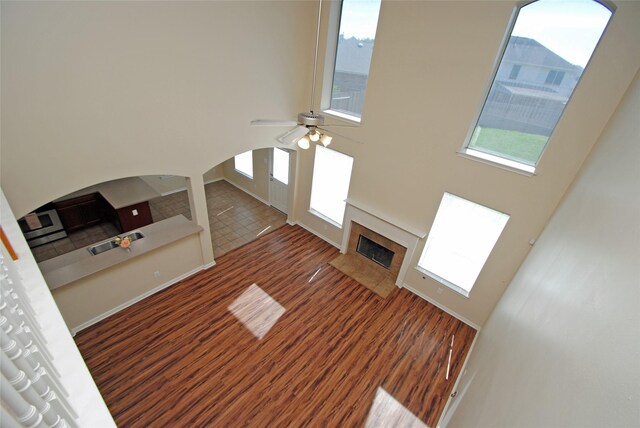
[{"x": 46, "y": 228}]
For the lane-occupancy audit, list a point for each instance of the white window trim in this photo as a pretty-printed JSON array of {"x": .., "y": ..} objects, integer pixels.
[
  {"x": 250, "y": 177},
  {"x": 243, "y": 173},
  {"x": 497, "y": 161},
  {"x": 317, "y": 213},
  {"x": 333, "y": 29},
  {"x": 453, "y": 286},
  {"x": 464, "y": 293},
  {"x": 324, "y": 218},
  {"x": 343, "y": 116}
]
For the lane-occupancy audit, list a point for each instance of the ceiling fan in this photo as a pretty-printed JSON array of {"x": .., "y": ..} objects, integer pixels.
[{"x": 308, "y": 126}]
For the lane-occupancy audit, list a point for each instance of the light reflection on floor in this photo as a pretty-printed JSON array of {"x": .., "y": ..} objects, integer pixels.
[
  {"x": 264, "y": 230},
  {"x": 314, "y": 275},
  {"x": 450, "y": 353},
  {"x": 386, "y": 411},
  {"x": 256, "y": 310}
]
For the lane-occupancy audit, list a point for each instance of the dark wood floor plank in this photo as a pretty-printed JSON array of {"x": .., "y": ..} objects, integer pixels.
[{"x": 182, "y": 358}]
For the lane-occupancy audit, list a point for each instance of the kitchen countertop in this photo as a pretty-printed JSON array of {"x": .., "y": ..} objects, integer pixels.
[
  {"x": 119, "y": 193},
  {"x": 77, "y": 264}
]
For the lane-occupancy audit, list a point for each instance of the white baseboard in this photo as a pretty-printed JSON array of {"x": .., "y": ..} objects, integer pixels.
[
  {"x": 214, "y": 180},
  {"x": 208, "y": 265},
  {"x": 246, "y": 191},
  {"x": 171, "y": 192},
  {"x": 441, "y": 306},
  {"x": 308, "y": 229},
  {"x": 136, "y": 299}
]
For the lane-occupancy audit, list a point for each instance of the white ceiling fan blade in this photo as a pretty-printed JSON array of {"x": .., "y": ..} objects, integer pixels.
[
  {"x": 266, "y": 122},
  {"x": 334, "y": 133},
  {"x": 292, "y": 137}
]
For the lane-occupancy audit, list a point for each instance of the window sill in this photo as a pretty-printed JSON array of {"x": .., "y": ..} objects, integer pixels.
[
  {"x": 343, "y": 116},
  {"x": 325, "y": 218},
  {"x": 499, "y": 162},
  {"x": 464, "y": 293},
  {"x": 250, "y": 177}
]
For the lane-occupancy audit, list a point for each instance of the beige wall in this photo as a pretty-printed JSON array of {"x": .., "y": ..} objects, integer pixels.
[
  {"x": 93, "y": 91},
  {"x": 125, "y": 282},
  {"x": 561, "y": 349},
  {"x": 165, "y": 184},
  {"x": 214, "y": 174}
]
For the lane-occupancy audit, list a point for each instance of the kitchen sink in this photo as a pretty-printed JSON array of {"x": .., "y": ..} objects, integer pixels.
[
  {"x": 102, "y": 247},
  {"x": 111, "y": 244},
  {"x": 133, "y": 236}
]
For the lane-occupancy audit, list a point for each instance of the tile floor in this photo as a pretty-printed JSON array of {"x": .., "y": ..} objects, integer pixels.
[
  {"x": 75, "y": 240},
  {"x": 235, "y": 218}
]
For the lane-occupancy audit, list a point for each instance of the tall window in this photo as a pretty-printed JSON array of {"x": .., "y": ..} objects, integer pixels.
[
  {"x": 460, "y": 241},
  {"x": 549, "y": 47},
  {"x": 243, "y": 163},
  {"x": 330, "y": 185},
  {"x": 356, "y": 36}
]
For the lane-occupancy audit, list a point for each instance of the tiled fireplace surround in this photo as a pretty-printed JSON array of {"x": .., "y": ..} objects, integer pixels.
[{"x": 390, "y": 231}]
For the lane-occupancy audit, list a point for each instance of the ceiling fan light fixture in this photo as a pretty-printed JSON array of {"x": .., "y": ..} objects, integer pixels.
[
  {"x": 304, "y": 143},
  {"x": 325, "y": 140},
  {"x": 314, "y": 135}
]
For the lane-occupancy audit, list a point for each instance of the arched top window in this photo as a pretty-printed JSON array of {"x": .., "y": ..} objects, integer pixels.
[{"x": 550, "y": 44}]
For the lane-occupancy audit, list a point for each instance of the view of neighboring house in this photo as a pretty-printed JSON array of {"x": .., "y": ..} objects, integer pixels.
[
  {"x": 353, "y": 60},
  {"x": 531, "y": 88},
  {"x": 532, "y": 85}
]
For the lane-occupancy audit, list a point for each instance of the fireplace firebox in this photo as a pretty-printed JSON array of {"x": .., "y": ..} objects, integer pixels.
[{"x": 375, "y": 252}]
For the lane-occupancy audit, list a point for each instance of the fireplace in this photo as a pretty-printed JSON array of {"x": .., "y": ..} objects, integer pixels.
[
  {"x": 374, "y": 251},
  {"x": 371, "y": 259}
]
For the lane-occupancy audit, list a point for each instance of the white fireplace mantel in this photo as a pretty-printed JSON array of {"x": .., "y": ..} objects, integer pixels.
[{"x": 404, "y": 235}]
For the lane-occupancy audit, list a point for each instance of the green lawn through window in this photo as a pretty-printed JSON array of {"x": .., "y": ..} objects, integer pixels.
[{"x": 514, "y": 145}]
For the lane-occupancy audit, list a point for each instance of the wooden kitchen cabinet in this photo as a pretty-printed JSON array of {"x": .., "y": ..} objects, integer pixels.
[
  {"x": 134, "y": 216},
  {"x": 83, "y": 211}
]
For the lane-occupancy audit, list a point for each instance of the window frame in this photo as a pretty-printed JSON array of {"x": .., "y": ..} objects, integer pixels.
[
  {"x": 333, "y": 35},
  {"x": 235, "y": 167},
  {"x": 313, "y": 210},
  {"x": 455, "y": 287},
  {"x": 504, "y": 163}
]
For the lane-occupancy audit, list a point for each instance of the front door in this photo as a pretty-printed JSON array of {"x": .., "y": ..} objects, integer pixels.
[{"x": 279, "y": 180}]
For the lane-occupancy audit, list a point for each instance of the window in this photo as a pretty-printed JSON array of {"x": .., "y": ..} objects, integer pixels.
[
  {"x": 460, "y": 241},
  {"x": 281, "y": 165},
  {"x": 554, "y": 77},
  {"x": 515, "y": 70},
  {"x": 552, "y": 42},
  {"x": 330, "y": 185},
  {"x": 356, "y": 36},
  {"x": 243, "y": 163}
]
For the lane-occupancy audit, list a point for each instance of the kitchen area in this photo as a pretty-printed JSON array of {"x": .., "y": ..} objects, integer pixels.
[
  {"x": 87, "y": 216},
  {"x": 104, "y": 241}
]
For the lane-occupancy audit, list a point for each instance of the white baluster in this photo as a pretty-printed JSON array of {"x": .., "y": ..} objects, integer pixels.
[
  {"x": 21, "y": 383},
  {"x": 8, "y": 421},
  {"x": 26, "y": 413},
  {"x": 13, "y": 371}
]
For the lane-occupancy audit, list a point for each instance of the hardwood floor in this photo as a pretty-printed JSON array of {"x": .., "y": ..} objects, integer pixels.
[{"x": 306, "y": 346}]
